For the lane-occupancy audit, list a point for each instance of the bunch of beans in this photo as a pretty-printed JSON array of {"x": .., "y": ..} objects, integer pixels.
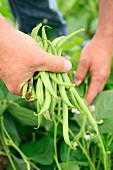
[{"x": 49, "y": 89}]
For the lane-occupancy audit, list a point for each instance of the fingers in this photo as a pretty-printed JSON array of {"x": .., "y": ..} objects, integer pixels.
[
  {"x": 96, "y": 86},
  {"x": 54, "y": 64},
  {"x": 81, "y": 72}
]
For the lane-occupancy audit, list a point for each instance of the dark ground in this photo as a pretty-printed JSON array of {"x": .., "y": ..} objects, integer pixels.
[{"x": 3, "y": 162}]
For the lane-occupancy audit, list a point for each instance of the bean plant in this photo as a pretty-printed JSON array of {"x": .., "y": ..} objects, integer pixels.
[{"x": 55, "y": 128}]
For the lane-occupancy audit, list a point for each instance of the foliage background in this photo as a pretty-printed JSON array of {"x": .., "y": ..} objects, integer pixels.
[{"x": 19, "y": 124}]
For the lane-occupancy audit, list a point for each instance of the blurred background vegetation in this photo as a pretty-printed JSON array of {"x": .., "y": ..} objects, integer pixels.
[{"x": 78, "y": 14}]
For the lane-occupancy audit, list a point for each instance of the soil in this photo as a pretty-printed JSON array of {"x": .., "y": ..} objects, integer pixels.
[{"x": 3, "y": 162}]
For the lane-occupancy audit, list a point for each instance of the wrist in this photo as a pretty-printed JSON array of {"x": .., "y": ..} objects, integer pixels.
[
  {"x": 105, "y": 34},
  {"x": 5, "y": 28}
]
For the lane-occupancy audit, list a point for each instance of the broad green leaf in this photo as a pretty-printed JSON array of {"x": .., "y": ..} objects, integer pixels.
[
  {"x": 16, "y": 99},
  {"x": 19, "y": 163},
  {"x": 12, "y": 97},
  {"x": 47, "y": 124},
  {"x": 40, "y": 151},
  {"x": 75, "y": 155},
  {"x": 23, "y": 115},
  {"x": 2, "y": 95},
  {"x": 70, "y": 166},
  {"x": 3, "y": 87},
  {"x": 104, "y": 110},
  {"x": 11, "y": 128}
]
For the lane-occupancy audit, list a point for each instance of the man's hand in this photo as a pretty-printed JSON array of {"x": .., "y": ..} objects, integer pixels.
[
  {"x": 95, "y": 58},
  {"x": 21, "y": 57}
]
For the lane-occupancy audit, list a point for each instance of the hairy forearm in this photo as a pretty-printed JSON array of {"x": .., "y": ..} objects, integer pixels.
[{"x": 105, "y": 26}]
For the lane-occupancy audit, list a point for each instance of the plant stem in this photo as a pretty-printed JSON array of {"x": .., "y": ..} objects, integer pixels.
[
  {"x": 10, "y": 142},
  {"x": 82, "y": 148},
  {"x": 34, "y": 166},
  {"x": 55, "y": 144},
  {"x": 94, "y": 125}
]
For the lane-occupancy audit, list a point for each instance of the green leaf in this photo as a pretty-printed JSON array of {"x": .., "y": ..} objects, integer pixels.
[
  {"x": 3, "y": 107},
  {"x": 11, "y": 128},
  {"x": 3, "y": 87},
  {"x": 74, "y": 156},
  {"x": 40, "y": 151},
  {"x": 19, "y": 163},
  {"x": 69, "y": 166},
  {"x": 2, "y": 95},
  {"x": 104, "y": 110},
  {"x": 23, "y": 115},
  {"x": 12, "y": 97},
  {"x": 47, "y": 124}
]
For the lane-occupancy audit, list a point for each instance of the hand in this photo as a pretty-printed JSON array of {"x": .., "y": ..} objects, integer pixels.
[
  {"x": 20, "y": 57},
  {"x": 95, "y": 58}
]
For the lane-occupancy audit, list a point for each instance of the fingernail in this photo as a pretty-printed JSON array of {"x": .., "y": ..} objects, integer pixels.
[
  {"x": 77, "y": 81},
  {"x": 68, "y": 65}
]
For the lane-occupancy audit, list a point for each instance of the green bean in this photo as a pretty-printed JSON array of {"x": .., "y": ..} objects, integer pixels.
[
  {"x": 44, "y": 38},
  {"x": 37, "y": 76},
  {"x": 46, "y": 104},
  {"x": 39, "y": 116},
  {"x": 35, "y": 31},
  {"x": 53, "y": 100},
  {"x": 54, "y": 86},
  {"x": 39, "y": 91},
  {"x": 39, "y": 40},
  {"x": 33, "y": 95},
  {"x": 66, "y": 38},
  {"x": 30, "y": 82},
  {"x": 53, "y": 49},
  {"x": 57, "y": 40},
  {"x": 54, "y": 78},
  {"x": 65, "y": 125},
  {"x": 47, "y": 84},
  {"x": 63, "y": 93},
  {"x": 75, "y": 103},
  {"x": 82, "y": 104},
  {"x": 24, "y": 90},
  {"x": 47, "y": 115}
]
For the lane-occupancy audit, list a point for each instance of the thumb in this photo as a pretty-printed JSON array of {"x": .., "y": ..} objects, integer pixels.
[
  {"x": 55, "y": 63},
  {"x": 81, "y": 71}
]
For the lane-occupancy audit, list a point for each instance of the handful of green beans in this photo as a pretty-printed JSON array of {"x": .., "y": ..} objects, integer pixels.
[{"x": 51, "y": 90}]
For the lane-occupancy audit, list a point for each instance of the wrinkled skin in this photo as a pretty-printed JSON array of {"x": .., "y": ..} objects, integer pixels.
[
  {"x": 21, "y": 57},
  {"x": 95, "y": 58}
]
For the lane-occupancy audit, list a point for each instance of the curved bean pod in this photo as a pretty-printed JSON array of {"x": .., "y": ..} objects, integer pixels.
[{"x": 63, "y": 93}]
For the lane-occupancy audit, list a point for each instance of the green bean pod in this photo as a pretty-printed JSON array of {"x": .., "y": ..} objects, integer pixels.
[
  {"x": 63, "y": 93},
  {"x": 82, "y": 105},
  {"x": 54, "y": 78},
  {"x": 24, "y": 90},
  {"x": 47, "y": 84},
  {"x": 47, "y": 115},
  {"x": 39, "y": 116},
  {"x": 53, "y": 100},
  {"x": 46, "y": 104},
  {"x": 65, "y": 125},
  {"x": 44, "y": 38},
  {"x": 66, "y": 38},
  {"x": 53, "y": 49},
  {"x": 57, "y": 40},
  {"x": 30, "y": 82},
  {"x": 39, "y": 91},
  {"x": 35, "y": 31}
]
